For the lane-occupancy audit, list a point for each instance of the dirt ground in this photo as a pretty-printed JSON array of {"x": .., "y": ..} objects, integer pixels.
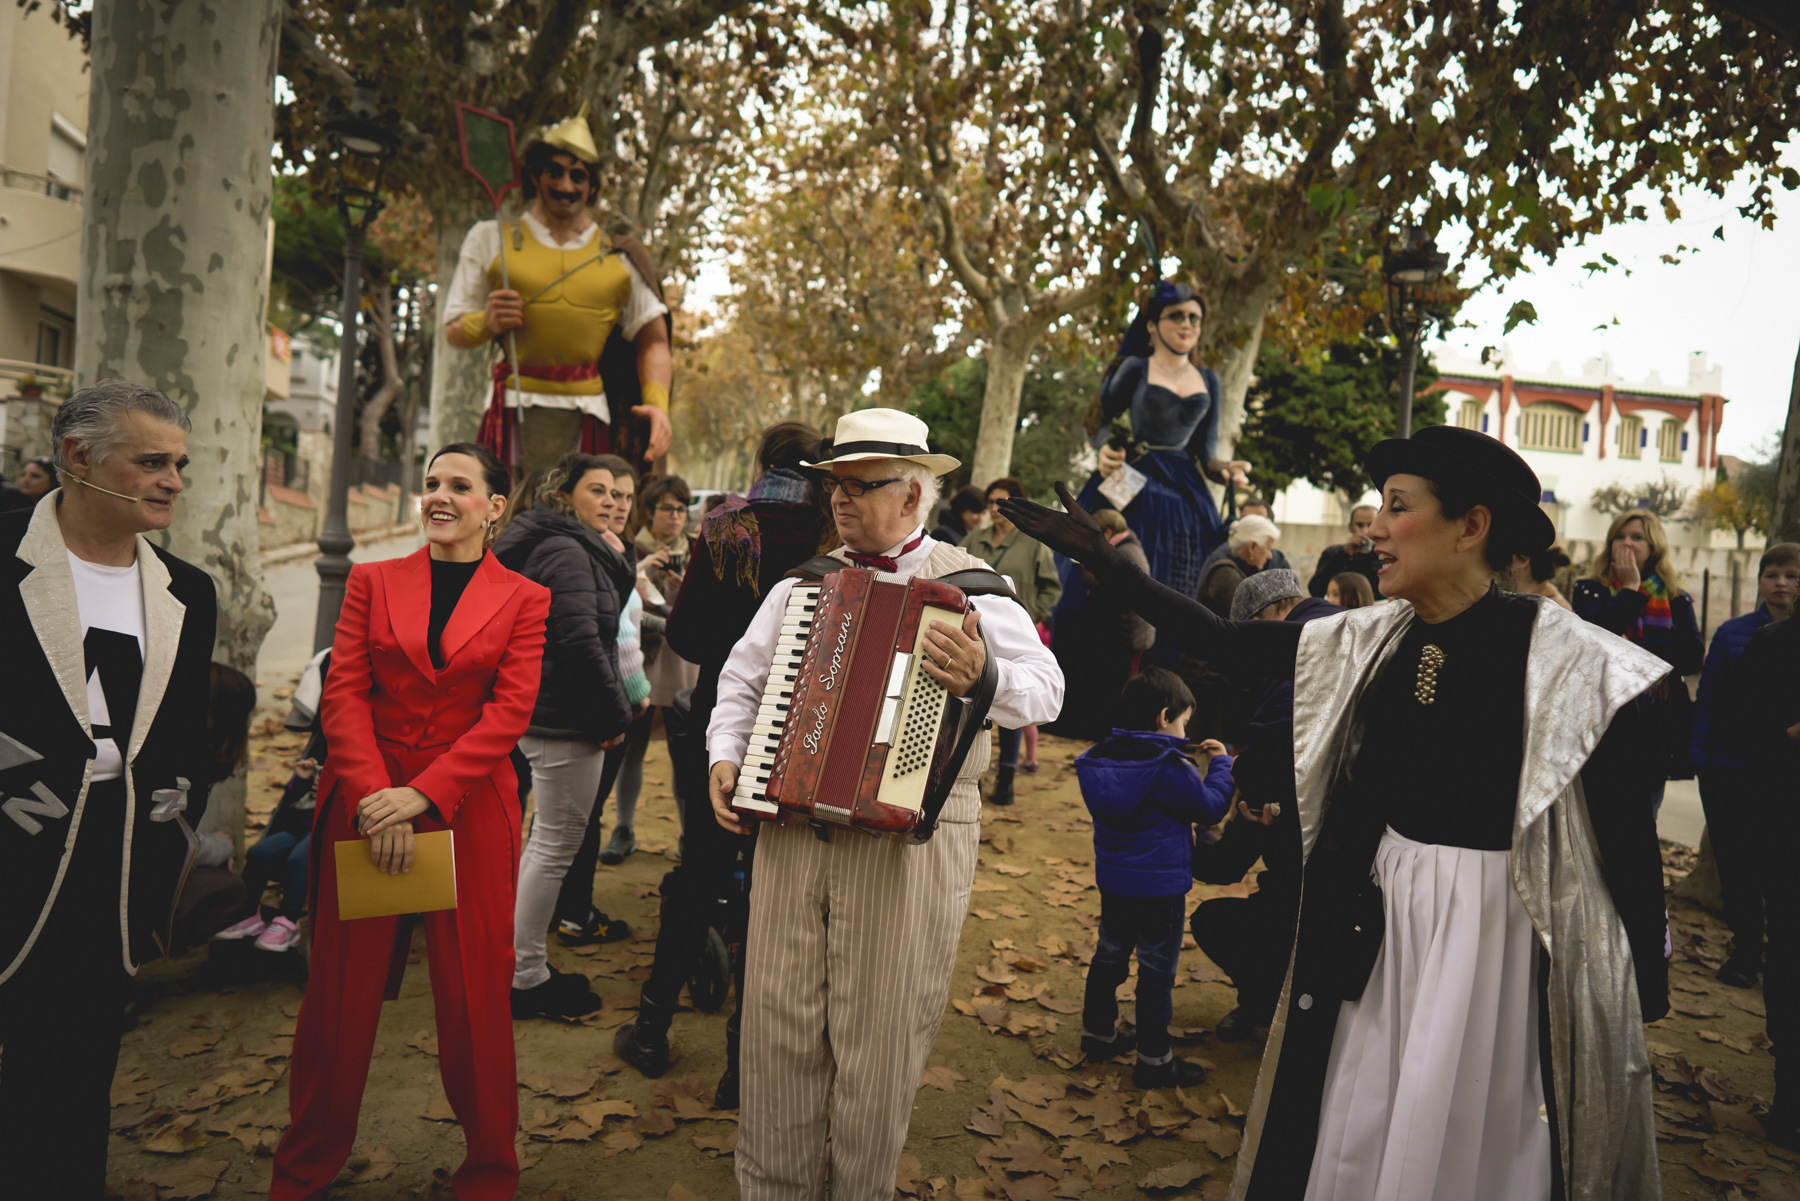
[{"x": 1003, "y": 1112}]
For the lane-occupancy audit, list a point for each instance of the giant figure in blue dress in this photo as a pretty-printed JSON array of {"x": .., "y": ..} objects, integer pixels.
[
  {"x": 1173, "y": 408},
  {"x": 1158, "y": 411}
]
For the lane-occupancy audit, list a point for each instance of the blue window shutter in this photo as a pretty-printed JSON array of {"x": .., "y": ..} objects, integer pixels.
[
  {"x": 1643, "y": 438},
  {"x": 1683, "y": 441},
  {"x": 1484, "y": 420},
  {"x": 1585, "y": 429}
]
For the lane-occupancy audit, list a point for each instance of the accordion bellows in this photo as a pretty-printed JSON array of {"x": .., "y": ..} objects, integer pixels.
[{"x": 851, "y": 730}]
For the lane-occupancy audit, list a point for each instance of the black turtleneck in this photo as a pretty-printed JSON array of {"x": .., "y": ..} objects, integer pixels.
[
  {"x": 447, "y": 583},
  {"x": 1448, "y": 772}
]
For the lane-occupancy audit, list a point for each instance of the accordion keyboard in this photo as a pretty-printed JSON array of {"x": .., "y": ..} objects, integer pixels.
[{"x": 778, "y": 695}]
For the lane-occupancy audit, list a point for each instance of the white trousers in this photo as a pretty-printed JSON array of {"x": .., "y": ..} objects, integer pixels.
[
  {"x": 565, "y": 776},
  {"x": 849, "y": 955},
  {"x": 1434, "y": 1088}
]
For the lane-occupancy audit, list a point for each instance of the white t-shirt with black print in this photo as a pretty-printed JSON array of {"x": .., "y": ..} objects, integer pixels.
[{"x": 110, "y": 602}]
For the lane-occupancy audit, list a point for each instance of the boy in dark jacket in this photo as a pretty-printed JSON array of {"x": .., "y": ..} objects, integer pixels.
[
  {"x": 1145, "y": 793},
  {"x": 1736, "y": 807}
]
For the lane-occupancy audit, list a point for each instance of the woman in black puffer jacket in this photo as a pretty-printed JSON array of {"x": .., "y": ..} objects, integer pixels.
[{"x": 581, "y": 708}]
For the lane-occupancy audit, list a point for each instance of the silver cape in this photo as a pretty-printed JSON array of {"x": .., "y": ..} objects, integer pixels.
[{"x": 1577, "y": 678}]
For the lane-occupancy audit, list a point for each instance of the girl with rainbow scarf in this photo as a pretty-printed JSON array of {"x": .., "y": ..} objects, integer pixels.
[{"x": 1632, "y": 591}]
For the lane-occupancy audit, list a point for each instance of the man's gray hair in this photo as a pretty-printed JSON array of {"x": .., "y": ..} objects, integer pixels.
[
  {"x": 95, "y": 417},
  {"x": 921, "y": 475},
  {"x": 1246, "y": 530}
]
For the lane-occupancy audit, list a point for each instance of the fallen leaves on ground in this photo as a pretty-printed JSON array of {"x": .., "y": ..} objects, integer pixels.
[
  {"x": 941, "y": 1077},
  {"x": 187, "y": 1180}
]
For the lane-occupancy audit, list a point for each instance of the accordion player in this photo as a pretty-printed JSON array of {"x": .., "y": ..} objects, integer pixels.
[{"x": 850, "y": 731}]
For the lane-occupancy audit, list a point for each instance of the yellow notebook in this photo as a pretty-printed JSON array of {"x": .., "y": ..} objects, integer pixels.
[{"x": 364, "y": 890}]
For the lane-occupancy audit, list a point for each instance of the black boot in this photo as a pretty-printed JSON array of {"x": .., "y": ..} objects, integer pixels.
[
  {"x": 1003, "y": 787},
  {"x": 644, "y": 1044},
  {"x": 1741, "y": 968},
  {"x": 725, "y": 1096},
  {"x": 1238, "y": 1026}
]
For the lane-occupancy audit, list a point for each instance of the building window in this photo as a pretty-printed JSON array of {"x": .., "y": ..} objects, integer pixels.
[
  {"x": 1668, "y": 441},
  {"x": 67, "y": 149},
  {"x": 1549, "y": 427},
  {"x": 1468, "y": 415},
  {"x": 1484, "y": 421},
  {"x": 1631, "y": 438},
  {"x": 1586, "y": 430},
  {"x": 1683, "y": 441},
  {"x": 56, "y": 338}
]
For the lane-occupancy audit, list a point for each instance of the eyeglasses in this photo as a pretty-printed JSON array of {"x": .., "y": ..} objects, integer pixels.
[
  {"x": 671, "y": 510},
  {"x": 853, "y": 487},
  {"x": 1193, "y": 319},
  {"x": 577, "y": 175}
]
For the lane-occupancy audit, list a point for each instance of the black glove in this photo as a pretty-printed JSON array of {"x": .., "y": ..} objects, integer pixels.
[{"x": 1072, "y": 533}]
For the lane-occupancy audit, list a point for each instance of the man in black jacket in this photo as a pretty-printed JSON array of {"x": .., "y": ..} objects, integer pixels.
[
  {"x": 1356, "y": 554},
  {"x": 107, "y": 641},
  {"x": 1766, "y": 688}
]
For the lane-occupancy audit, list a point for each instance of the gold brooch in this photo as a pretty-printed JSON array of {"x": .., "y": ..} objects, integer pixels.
[{"x": 1430, "y": 659}]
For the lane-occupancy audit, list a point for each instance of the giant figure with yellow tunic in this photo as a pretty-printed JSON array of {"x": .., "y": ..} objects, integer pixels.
[{"x": 550, "y": 289}]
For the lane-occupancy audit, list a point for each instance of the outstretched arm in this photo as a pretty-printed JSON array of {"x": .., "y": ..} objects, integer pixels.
[{"x": 1265, "y": 648}]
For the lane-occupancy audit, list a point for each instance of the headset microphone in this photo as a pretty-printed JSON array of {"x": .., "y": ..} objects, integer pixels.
[{"x": 96, "y": 487}]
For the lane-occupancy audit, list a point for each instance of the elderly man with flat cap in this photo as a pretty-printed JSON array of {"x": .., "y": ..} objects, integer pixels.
[{"x": 852, "y": 939}]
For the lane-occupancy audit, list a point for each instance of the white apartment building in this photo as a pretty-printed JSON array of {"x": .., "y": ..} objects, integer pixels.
[
  {"x": 1579, "y": 433},
  {"x": 1585, "y": 431}
]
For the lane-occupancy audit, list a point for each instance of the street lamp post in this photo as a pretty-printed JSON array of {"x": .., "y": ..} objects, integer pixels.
[
  {"x": 364, "y": 142},
  {"x": 1413, "y": 268}
]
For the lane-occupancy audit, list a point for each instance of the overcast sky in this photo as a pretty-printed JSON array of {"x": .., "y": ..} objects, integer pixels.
[{"x": 1737, "y": 299}]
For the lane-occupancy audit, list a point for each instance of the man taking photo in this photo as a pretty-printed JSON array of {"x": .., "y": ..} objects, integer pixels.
[{"x": 1356, "y": 554}]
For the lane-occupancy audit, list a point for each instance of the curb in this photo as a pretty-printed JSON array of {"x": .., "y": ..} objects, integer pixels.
[{"x": 308, "y": 550}]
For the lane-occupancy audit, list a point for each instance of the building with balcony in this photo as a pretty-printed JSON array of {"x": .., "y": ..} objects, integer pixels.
[
  {"x": 44, "y": 82},
  {"x": 1584, "y": 432}
]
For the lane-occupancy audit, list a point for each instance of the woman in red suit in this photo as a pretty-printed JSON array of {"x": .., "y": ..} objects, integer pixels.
[{"x": 433, "y": 676}]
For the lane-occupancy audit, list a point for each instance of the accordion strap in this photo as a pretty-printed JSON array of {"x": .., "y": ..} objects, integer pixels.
[{"x": 974, "y": 724}]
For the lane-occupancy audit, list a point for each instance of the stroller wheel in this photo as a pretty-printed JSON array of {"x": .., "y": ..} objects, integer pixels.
[{"x": 712, "y": 974}]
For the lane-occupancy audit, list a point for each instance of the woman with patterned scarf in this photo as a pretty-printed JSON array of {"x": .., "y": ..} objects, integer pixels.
[
  {"x": 743, "y": 548},
  {"x": 1632, "y": 591}
]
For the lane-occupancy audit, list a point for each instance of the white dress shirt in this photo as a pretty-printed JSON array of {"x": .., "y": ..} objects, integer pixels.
[{"x": 1030, "y": 688}]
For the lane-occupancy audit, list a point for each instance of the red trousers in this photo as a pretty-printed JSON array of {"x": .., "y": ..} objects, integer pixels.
[{"x": 470, "y": 952}]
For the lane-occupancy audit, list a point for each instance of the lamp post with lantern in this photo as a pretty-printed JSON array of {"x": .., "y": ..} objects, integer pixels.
[
  {"x": 364, "y": 139},
  {"x": 1413, "y": 268}
]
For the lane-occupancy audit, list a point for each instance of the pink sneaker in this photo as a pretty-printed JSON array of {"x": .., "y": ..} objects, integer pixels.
[
  {"x": 250, "y": 927},
  {"x": 282, "y": 935}
]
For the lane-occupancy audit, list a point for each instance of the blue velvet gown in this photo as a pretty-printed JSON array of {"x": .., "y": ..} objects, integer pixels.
[{"x": 1174, "y": 516}]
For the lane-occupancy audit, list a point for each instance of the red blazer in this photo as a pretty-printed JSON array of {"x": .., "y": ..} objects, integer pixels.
[{"x": 382, "y": 688}]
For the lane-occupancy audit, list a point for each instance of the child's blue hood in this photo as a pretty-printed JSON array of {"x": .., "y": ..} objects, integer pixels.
[{"x": 1119, "y": 775}]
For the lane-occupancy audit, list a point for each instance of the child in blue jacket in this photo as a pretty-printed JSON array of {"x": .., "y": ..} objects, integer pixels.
[{"x": 1146, "y": 794}]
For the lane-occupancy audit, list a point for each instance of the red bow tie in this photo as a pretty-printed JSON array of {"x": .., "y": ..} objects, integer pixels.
[{"x": 883, "y": 562}]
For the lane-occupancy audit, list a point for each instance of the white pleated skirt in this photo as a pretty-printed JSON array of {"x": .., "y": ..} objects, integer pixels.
[{"x": 1434, "y": 1088}]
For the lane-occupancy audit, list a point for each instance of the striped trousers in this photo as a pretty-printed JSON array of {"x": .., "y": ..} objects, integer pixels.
[{"x": 849, "y": 955}]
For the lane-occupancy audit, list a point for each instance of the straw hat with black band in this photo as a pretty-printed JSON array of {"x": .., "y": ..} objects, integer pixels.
[
  {"x": 884, "y": 434},
  {"x": 1477, "y": 468}
]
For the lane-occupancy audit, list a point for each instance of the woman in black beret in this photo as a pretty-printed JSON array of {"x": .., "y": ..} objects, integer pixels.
[{"x": 1481, "y": 925}]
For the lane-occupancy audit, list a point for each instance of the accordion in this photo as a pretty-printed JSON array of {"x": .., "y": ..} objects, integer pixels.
[{"x": 851, "y": 729}]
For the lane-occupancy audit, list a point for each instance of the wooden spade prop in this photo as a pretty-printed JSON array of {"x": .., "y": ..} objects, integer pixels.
[{"x": 490, "y": 154}]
